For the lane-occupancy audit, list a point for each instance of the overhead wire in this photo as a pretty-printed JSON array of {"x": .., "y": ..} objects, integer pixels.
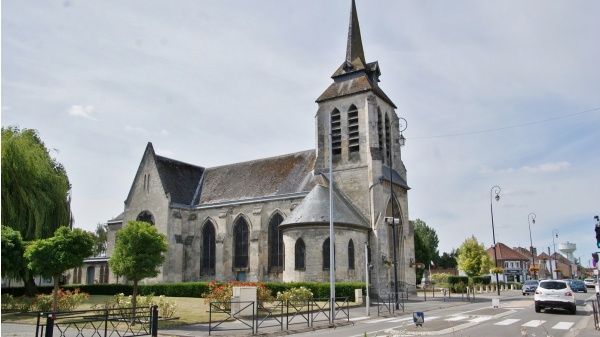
[{"x": 505, "y": 127}]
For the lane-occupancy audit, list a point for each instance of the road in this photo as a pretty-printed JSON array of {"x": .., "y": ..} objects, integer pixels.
[{"x": 515, "y": 317}]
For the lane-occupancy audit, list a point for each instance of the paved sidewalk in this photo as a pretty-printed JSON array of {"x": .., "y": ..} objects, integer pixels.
[
  {"x": 413, "y": 304},
  {"x": 585, "y": 328}
]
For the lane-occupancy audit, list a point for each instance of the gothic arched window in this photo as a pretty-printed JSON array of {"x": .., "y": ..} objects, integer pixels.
[
  {"x": 276, "y": 252},
  {"x": 146, "y": 217},
  {"x": 380, "y": 133},
  {"x": 326, "y": 260},
  {"x": 300, "y": 255},
  {"x": 350, "y": 254},
  {"x": 336, "y": 132},
  {"x": 240, "y": 239},
  {"x": 353, "y": 139},
  {"x": 207, "y": 266},
  {"x": 388, "y": 139}
]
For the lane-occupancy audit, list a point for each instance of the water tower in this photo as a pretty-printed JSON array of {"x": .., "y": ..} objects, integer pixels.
[{"x": 568, "y": 249}]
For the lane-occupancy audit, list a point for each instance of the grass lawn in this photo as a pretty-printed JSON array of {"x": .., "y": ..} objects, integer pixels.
[{"x": 190, "y": 310}]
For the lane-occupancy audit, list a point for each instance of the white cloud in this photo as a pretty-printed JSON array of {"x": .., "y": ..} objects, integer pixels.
[
  {"x": 82, "y": 111},
  {"x": 548, "y": 167},
  {"x": 164, "y": 132},
  {"x": 135, "y": 129},
  {"x": 542, "y": 168}
]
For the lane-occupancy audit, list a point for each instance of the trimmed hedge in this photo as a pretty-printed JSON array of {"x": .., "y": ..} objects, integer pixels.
[
  {"x": 485, "y": 280},
  {"x": 195, "y": 289}
]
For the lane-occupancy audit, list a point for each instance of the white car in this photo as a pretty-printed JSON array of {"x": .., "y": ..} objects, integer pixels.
[
  {"x": 554, "y": 294},
  {"x": 589, "y": 282}
]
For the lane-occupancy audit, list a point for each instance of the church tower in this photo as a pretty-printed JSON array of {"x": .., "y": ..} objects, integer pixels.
[{"x": 366, "y": 158}]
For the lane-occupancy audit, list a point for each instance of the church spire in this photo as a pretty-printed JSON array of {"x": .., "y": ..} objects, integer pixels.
[{"x": 354, "y": 48}]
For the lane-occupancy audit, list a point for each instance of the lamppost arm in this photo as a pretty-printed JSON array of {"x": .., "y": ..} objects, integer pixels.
[
  {"x": 530, "y": 219},
  {"x": 495, "y": 189}
]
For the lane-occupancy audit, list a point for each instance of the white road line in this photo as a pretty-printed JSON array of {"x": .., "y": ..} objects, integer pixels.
[
  {"x": 402, "y": 320},
  {"x": 507, "y": 321},
  {"x": 457, "y": 318},
  {"x": 534, "y": 323},
  {"x": 563, "y": 325},
  {"x": 480, "y": 319},
  {"x": 360, "y": 318},
  {"x": 380, "y": 320}
]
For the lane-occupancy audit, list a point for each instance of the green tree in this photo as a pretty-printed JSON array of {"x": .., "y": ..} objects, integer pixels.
[
  {"x": 430, "y": 240},
  {"x": 35, "y": 194},
  {"x": 448, "y": 260},
  {"x": 55, "y": 255},
  {"x": 473, "y": 258},
  {"x": 422, "y": 255},
  {"x": 100, "y": 239},
  {"x": 139, "y": 251},
  {"x": 13, "y": 249}
]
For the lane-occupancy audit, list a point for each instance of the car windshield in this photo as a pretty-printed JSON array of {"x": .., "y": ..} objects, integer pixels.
[
  {"x": 530, "y": 282},
  {"x": 578, "y": 283},
  {"x": 553, "y": 285}
]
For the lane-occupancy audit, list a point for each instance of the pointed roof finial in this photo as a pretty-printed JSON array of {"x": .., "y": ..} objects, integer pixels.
[{"x": 354, "y": 48}]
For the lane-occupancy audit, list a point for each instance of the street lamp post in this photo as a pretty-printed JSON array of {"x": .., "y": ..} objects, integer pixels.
[
  {"x": 401, "y": 142},
  {"x": 530, "y": 219},
  {"x": 495, "y": 189},
  {"x": 554, "y": 233}
]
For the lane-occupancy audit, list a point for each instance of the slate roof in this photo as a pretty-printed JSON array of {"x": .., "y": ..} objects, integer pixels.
[
  {"x": 179, "y": 179},
  {"x": 396, "y": 178},
  {"x": 524, "y": 252},
  {"x": 287, "y": 174},
  {"x": 314, "y": 210},
  {"x": 503, "y": 252},
  {"x": 355, "y": 75}
]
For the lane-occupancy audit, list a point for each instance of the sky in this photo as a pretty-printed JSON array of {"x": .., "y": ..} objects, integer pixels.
[{"x": 495, "y": 93}]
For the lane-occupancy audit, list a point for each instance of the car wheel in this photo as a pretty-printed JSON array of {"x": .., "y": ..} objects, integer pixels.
[
  {"x": 573, "y": 310},
  {"x": 537, "y": 307},
  {"x": 523, "y": 294},
  {"x": 585, "y": 291}
]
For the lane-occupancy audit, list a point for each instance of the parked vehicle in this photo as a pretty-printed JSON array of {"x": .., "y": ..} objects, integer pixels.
[
  {"x": 589, "y": 282},
  {"x": 530, "y": 286},
  {"x": 554, "y": 294},
  {"x": 578, "y": 285}
]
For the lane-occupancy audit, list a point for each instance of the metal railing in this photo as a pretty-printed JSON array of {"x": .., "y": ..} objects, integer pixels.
[
  {"x": 237, "y": 315},
  {"x": 269, "y": 314},
  {"x": 141, "y": 321},
  {"x": 387, "y": 303}
]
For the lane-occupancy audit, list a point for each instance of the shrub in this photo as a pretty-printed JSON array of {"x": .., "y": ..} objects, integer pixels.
[
  {"x": 222, "y": 293},
  {"x": 440, "y": 277},
  {"x": 297, "y": 296},
  {"x": 166, "y": 306},
  {"x": 7, "y": 301}
]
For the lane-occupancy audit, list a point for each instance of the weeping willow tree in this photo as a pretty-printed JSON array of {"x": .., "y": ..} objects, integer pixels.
[{"x": 35, "y": 189}]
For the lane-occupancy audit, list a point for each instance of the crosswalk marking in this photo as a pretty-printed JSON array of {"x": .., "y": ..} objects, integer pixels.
[
  {"x": 360, "y": 318},
  {"x": 563, "y": 325},
  {"x": 507, "y": 321},
  {"x": 457, "y": 318},
  {"x": 480, "y": 319},
  {"x": 534, "y": 323}
]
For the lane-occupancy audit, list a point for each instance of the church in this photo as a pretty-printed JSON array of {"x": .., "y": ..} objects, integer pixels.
[{"x": 268, "y": 219}]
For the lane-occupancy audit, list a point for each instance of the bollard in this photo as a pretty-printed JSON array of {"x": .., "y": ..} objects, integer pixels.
[
  {"x": 49, "y": 325},
  {"x": 154, "y": 327}
]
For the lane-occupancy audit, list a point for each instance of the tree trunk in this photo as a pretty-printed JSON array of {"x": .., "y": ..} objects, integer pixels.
[
  {"x": 56, "y": 278},
  {"x": 134, "y": 298},
  {"x": 29, "y": 284}
]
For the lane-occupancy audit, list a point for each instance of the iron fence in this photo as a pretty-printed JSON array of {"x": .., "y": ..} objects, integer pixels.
[
  {"x": 270, "y": 314},
  {"x": 123, "y": 322}
]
